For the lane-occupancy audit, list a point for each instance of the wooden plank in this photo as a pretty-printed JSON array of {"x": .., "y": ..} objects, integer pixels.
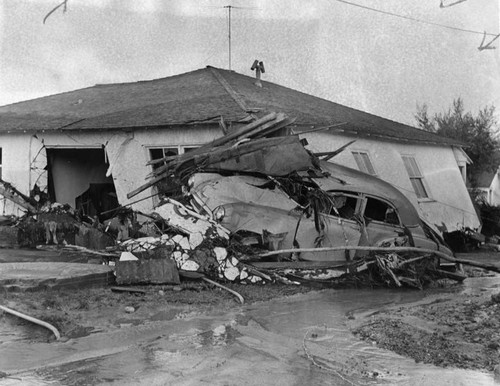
[
  {"x": 203, "y": 149},
  {"x": 249, "y": 134},
  {"x": 18, "y": 200},
  {"x": 331, "y": 154},
  {"x": 298, "y": 264},
  {"x": 128, "y": 289},
  {"x": 279, "y": 126},
  {"x": 219, "y": 141}
]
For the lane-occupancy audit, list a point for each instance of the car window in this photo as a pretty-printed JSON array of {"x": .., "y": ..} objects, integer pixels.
[
  {"x": 378, "y": 210},
  {"x": 343, "y": 205}
]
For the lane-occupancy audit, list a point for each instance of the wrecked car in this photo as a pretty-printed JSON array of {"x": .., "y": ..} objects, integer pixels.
[{"x": 340, "y": 207}]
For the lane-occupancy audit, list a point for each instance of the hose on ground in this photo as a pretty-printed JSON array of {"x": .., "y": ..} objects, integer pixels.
[{"x": 32, "y": 320}]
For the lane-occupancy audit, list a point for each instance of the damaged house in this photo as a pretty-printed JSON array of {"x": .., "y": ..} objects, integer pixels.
[{"x": 90, "y": 148}]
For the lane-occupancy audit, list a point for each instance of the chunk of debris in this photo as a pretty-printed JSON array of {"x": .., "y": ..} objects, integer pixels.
[{"x": 249, "y": 192}]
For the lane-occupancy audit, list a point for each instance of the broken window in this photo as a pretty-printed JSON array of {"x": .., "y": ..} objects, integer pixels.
[
  {"x": 344, "y": 205},
  {"x": 162, "y": 152},
  {"x": 378, "y": 210},
  {"x": 169, "y": 186},
  {"x": 159, "y": 153},
  {"x": 363, "y": 161},
  {"x": 416, "y": 177}
]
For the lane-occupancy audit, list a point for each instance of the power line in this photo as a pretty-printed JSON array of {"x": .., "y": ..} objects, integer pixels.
[{"x": 416, "y": 20}]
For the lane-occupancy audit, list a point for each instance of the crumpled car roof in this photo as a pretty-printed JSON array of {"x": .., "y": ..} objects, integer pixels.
[{"x": 351, "y": 180}]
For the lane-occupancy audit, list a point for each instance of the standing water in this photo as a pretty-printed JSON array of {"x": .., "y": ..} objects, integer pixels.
[{"x": 304, "y": 339}]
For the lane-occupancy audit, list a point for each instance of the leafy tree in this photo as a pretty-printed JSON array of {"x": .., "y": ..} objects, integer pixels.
[{"x": 478, "y": 134}]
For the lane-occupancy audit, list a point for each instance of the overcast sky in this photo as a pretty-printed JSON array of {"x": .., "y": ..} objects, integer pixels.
[{"x": 364, "y": 59}]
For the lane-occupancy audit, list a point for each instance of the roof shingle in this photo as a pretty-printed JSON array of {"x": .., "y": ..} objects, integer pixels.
[{"x": 196, "y": 96}]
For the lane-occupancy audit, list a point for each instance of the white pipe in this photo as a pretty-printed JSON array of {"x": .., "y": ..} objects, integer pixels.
[
  {"x": 33, "y": 320},
  {"x": 240, "y": 298}
]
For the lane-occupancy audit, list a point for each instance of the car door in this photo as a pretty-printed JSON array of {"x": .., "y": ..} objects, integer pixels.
[
  {"x": 382, "y": 223},
  {"x": 340, "y": 227}
]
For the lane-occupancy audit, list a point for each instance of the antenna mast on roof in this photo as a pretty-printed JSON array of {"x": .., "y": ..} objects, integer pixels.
[{"x": 229, "y": 8}]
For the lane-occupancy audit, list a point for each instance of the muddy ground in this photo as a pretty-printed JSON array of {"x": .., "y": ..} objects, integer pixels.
[
  {"x": 452, "y": 330},
  {"x": 80, "y": 312}
]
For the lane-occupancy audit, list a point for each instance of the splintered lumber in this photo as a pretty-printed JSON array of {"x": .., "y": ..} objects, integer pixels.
[
  {"x": 174, "y": 162},
  {"x": 444, "y": 256},
  {"x": 280, "y": 118},
  {"x": 331, "y": 154},
  {"x": 220, "y": 141},
  {"x": 8, "y": 194},
  {"x": 72, "y": 247},
  {"x": 278, "y": 126},
  {"x": 162, "y": 172},
  {"x": 299, "y": 264}
]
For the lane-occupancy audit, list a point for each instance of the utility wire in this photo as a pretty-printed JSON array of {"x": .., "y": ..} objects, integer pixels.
[{"x": 416, "y": 20}]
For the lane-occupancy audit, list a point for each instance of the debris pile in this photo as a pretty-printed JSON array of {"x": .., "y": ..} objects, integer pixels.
[
  {"x": 196, "y": 243},
  {"x": 224, "y": 201},
  {"x": 256, "y": 206}
]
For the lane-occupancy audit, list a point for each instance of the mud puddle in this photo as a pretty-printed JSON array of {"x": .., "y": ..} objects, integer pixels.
[{"x": 303, "y": 339}]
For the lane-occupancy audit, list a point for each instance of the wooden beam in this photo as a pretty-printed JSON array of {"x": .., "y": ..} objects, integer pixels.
[
  {"x": 298, "y": 264},
  {"x": 219, "y": 141},
  {"x": 444, "y": 256},
  {"x": 18, "y": 200}
]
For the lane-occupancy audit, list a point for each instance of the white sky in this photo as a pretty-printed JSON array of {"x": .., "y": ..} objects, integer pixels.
[{"x": 367, "y": 60}]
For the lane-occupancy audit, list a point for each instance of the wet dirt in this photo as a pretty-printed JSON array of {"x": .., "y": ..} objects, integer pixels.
[
  {"x": 300, "y": 339},
  {"x": 444, "y": 329},
  {"x": 282, "y": 335}
]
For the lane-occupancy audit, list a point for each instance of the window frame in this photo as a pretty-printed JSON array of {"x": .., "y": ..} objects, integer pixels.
[
  {"x": 366, "y": 197},
  {"x": 364, "y": 162},
  {"x": 354, "y": 195},
  {"x": 180, "y": 149},
  {"x": 416, "y": 176}
]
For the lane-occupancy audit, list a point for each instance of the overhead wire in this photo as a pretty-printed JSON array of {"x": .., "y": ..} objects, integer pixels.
[{"x": 416, "y": 19}]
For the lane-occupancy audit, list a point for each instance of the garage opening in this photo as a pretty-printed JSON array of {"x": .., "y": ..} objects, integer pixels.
[{"x": 78, "y": 177}]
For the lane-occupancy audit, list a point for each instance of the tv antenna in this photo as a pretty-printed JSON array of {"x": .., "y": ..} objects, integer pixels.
[
  {"x": 443, "y": 5},
  {"x": 229, "y": 9}
]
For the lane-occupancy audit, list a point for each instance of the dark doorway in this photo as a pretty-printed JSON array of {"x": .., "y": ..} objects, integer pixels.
[{"x": 78, "y": 177}]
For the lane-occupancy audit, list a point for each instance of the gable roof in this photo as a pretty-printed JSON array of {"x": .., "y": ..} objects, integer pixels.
[{"x": 198, "y": 96}]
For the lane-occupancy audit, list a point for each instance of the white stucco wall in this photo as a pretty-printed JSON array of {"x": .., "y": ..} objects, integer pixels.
[
  {"x": 128, "y": 153},
  {"x": 493, "y": 193},
  {"x": 449, "y": 202},
  {"x": 15, "y": 168}
]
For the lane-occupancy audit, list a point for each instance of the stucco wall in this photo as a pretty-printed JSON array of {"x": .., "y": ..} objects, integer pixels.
[
  {"x": 494, "y": 191},
  {"x": 127, "y": 153},
  {"x": 15, "y": 168},
  {"x": 449, "y": 204}
]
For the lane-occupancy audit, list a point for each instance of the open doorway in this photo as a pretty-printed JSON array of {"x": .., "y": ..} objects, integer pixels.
[{"x": 77, "y": 177}]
